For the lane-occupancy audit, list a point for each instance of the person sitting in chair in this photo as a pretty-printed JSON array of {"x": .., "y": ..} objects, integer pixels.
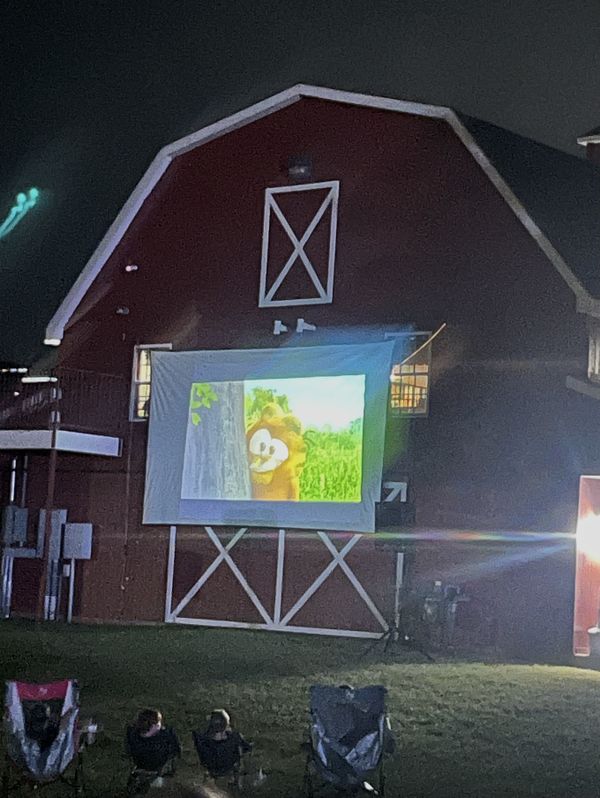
[
  {"x": 41, "y": 726},
  {"x": 152, "y": 746},
  {"x": 219, "y": 747}
]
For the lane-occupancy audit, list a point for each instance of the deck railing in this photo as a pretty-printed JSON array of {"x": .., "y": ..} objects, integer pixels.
[{"x": 82, "y": 401}]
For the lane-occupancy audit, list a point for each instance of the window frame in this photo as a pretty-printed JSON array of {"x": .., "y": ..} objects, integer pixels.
[
  {"x": 399, "y": 412},
  {"x": 133, "y": 395},
  {"x": 272, "y": 210}
]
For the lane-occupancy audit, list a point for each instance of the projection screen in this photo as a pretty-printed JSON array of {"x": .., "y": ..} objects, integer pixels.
[{"x": 269, "y": 438}]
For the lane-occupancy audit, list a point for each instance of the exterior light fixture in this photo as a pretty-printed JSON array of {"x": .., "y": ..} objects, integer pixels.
[
  {"x": 52, "y": 341},
  {"x": 123, "y": 311},
  {"x": 299, "y": 167},
  {"x": 131, "y": 267},
  {"x": 304, "y": 326},
  {"x": 39, "y": 378}
]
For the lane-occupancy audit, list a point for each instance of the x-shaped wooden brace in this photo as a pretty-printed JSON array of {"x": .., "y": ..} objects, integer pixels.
[
  {"x": 338, "y": 560},
  {"x": 223, "y": 556},
  {"x": 299, "y": 244}
]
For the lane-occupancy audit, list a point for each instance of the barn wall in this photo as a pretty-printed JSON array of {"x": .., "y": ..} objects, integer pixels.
[{"x": 423, "y": 238}]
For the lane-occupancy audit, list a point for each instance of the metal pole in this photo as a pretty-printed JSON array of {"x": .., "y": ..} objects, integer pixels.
[
  {"x": 71, "y": 591},
  {"x": 13, "y": 481},
  {"x": 6, "y": 583},
  {"x": 24, "y": 480},
  {"x": 54, "y": 422},
  {"x": 398, "y": 587}
]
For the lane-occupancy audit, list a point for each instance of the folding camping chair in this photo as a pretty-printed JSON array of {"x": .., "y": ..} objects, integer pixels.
[
  {"x": 41, "y": 736},
  {"x": 151, "y": 763},
  {"x": 348, "y": 737}
]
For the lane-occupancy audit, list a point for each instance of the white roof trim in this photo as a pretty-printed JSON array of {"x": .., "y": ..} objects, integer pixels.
[
  {"x": 583, "y": 387},
  {"x": 585, "y": 140},
  {"x": 64, "y": 441},
  {"x": 56, "y": 326}
]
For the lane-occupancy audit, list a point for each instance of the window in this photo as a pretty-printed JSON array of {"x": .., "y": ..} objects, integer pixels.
[
  {"x": 409, "y": 380},
  {"x": 410, "y": 389},
  {"x": 141, "y": 380}
]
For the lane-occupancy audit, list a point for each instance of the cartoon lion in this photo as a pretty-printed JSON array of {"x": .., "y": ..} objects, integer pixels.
[{"x": 277, "y": 454}]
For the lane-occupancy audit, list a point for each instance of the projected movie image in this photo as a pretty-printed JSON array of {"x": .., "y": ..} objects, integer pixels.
[{"x": 294, "y": 439}]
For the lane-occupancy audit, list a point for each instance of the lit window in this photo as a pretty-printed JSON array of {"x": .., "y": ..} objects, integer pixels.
[
  {"x": 409, "y": 380},
  {"x": 141, "y": 380},
  {"x": 409, "y": 395}
]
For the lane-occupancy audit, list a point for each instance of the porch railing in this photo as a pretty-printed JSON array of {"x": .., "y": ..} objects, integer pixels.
[{"x": 79, "y": 400}]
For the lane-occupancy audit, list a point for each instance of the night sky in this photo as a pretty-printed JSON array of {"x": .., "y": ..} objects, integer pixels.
[{"x": 90, "y": 91}]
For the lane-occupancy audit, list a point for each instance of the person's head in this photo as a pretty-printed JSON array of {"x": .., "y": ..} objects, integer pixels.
[
  {"x": 219, "y": 721},
  {"x": 40, "y": 712},
  {"x": 147, "y": 720},
  {"x": 39, "y": 717}
]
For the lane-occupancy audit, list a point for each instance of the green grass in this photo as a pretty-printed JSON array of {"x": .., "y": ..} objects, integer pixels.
[{"x": 464, "y": 729}]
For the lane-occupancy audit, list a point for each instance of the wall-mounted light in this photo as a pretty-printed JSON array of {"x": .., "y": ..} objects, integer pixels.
[
  {"x": 304, "y": 326},
  {"x": 299, "y": 167},
  {"x": 123, "y": 311},
  {"x": 131, "y": 267},
  {"x": 279, "y": 327},
  {"x": 52, "y": 341},
  {"x": 39, "y": 378}
]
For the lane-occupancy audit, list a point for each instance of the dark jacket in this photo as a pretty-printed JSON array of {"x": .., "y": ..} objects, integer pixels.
[
  {"x": 220, "y": 757},
  {"x": 152, "y": 753}
]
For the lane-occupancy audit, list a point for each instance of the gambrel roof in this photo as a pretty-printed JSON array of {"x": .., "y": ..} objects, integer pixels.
[
  {"x": 554, "y": 195},
  {"x": 560, "y": 192}
]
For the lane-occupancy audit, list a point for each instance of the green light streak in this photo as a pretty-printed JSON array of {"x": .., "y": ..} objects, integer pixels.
[{"x": 24, "y": 203}]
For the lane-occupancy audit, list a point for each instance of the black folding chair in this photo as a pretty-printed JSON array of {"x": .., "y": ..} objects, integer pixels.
[{"x": 348, "y": 737}]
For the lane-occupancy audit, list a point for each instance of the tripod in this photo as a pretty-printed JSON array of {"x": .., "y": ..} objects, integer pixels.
[{"x": 396, "y": 634}]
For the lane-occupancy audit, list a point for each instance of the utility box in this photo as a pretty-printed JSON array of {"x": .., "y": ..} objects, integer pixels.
[
  {"x": 14, "y": 525},
  {"x": 77, "y": 542},
  {"x": 57, "y": 521}
]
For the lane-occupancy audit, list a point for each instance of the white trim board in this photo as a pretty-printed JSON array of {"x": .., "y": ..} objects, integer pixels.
[
  {"x": 56, "y": 327},
  {"x": 66, "y": 441},
  {"x": 272, "y": 210},
  {"x": 271, "y": 621},
  {"x": 584, "y": 387},
  {"x": 302, "y": 630}
]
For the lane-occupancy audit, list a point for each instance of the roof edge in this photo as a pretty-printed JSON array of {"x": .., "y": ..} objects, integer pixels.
[
  {"x": 585, "y": 140},
  {"x": 59, "y": 321},
  {"x": 57, "y": 324}
]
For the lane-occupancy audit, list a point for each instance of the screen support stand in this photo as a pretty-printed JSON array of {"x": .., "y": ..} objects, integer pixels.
[{"x": 396, "y": 635}]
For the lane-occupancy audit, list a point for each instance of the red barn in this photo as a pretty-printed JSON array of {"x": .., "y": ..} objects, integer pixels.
[{"x": 320, "y": 217}]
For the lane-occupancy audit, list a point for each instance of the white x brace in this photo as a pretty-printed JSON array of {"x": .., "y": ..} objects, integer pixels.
[
  {"x": 325, "y": 294},
  {"x": 272, "y": 622}
]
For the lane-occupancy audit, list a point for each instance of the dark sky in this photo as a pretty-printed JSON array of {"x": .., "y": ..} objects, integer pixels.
[{"x": 91, "y": 90}]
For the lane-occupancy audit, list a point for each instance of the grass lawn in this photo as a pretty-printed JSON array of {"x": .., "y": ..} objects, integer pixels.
[{"x": 463, "y": 728}]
